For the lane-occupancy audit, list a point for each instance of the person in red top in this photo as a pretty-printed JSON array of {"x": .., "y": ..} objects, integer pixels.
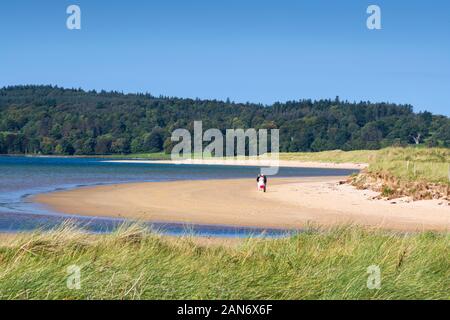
[{"x": 262, "y": 182}]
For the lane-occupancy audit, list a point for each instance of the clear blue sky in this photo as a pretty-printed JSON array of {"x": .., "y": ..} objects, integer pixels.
[{"x": 247, "y": 50}]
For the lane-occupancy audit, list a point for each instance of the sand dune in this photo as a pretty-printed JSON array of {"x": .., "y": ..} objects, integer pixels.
[{"x": 289, "y": 203}]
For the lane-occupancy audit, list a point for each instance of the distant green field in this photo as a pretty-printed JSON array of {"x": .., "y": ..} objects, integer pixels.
[
  {"x": 333, "y": 156},
  {"x": 146, "y": 156},
  {"x": 132, "y": 264},
  {"x": 149, "y": 156}
]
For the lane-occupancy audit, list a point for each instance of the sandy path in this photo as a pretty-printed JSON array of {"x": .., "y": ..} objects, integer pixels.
[{"x": 289, "y": 203}]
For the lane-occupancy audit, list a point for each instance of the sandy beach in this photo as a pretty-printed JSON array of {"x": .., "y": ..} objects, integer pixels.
[{"x": 289, "y": 203}]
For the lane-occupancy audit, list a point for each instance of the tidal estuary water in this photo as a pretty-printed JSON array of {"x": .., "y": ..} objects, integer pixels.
[{"x": 22, "y": 177}]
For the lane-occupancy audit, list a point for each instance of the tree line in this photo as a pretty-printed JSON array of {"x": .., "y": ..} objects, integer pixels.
[{"x": 51, "y": 120}]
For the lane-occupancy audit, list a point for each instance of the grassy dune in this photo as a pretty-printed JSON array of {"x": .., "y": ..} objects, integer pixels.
[
  {"x": 133, "y": 264},
  {"x": 412, "y": 164},
  {"x": 408, "y": 164}
]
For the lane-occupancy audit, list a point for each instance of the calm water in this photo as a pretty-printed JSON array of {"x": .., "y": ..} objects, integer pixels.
[{"x": 21, "y": 177}]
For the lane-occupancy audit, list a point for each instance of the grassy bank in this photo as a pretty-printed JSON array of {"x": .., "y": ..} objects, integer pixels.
[
  {"x": 429, "y": 164},
  {"x": 131, "y": 264},
  {"x": 412, "y": 164},
  {"x": 420, "y": 173}
]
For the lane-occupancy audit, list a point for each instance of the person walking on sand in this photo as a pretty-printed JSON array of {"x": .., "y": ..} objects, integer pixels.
[{"x": 261, "y": 181}]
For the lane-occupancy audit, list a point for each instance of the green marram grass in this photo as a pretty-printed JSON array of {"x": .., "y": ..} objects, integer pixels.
[
  {"x": 408, "y": 164},
  {"x": 414, "y": 164},
  {"x": 135, "y": 264}
]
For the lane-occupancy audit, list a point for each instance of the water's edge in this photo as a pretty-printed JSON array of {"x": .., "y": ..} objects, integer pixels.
[{"x": 22, "y": 178}]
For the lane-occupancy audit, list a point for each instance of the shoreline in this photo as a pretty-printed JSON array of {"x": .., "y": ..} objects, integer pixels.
[
  {"x": 250, "y": 163},
  {"x": 290, "y": 203},
  {"x": 212, "y": 161}
]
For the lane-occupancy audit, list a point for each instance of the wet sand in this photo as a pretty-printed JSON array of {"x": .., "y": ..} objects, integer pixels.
[{"x": 289, "y": 203}]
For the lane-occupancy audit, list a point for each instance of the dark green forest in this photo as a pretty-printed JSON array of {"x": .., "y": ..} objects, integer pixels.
[{"x": 51, "y": 120}]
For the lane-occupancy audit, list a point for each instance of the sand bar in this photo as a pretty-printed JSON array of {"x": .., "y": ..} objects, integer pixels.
[
  {"x": 289, "y": 203},
  {"x": 253, "y": 163}
]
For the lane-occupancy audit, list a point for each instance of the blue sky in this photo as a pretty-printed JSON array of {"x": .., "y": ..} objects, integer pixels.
[{"x": 247, "y": 50}]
